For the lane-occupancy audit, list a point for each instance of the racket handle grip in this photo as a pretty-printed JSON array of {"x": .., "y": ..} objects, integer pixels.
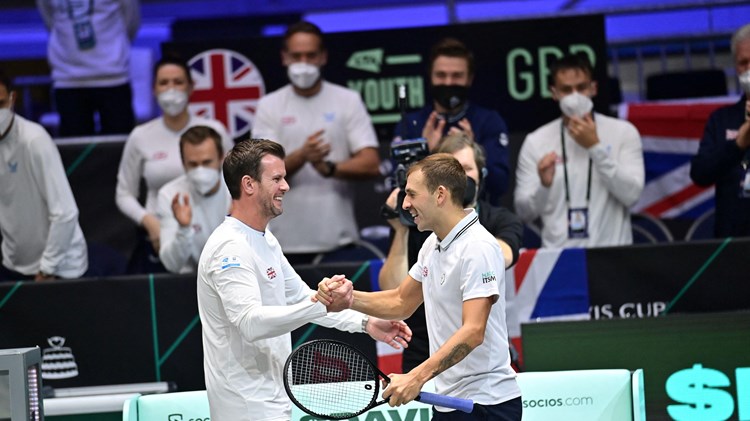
[{"x": 465, "y": 405}]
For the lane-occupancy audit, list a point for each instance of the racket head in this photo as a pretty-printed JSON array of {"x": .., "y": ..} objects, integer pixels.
[{"x": 331, "y": 379}]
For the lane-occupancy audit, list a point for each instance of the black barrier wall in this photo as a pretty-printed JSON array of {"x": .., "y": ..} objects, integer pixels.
[
  {"x": 146, "y": 328},
  {"x": 130, "y": 329}
]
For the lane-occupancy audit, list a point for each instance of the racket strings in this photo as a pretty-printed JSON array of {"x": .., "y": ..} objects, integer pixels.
[{"x": 332, "y": 380}]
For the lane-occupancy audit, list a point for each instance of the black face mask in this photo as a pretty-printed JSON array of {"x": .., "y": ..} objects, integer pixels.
[
  {"x": 450, "y": 96},
  {"x": 470, "y": 194}
]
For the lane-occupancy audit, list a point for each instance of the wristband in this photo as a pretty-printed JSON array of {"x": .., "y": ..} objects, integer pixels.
[{"x": 364, "y": 323}]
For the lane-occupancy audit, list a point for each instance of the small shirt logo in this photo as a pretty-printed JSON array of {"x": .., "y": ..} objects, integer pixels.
[
  {"x": 271, "y": 272},
  {"x": 731, "y": 134},
  {"x": 329, "y": 117},
  {"x": 425, "y": 272},
  {"x": 230, "y": 262},
  {"x": 159, "y": 156},
  {"x": 442, "y": 279},
  {"x": 288, "y": 120},
  {"x": 13, "y": 167},
  {"x": 488, "y": 277},
  {"x": 504, "y": 140}
]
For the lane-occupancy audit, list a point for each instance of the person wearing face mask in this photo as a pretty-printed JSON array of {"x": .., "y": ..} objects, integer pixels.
[
  {"x": 331, "y": 141},
  {"x": 724, "y": 154},
  {"x": 192, "y": 205},
  {"x": 152, "y": 153},
  {"x": 451, "y": 75},
  {"x": 41, "y": 237},
  {"x": 579, "y": 173},
  {"x": 503, "y": 224},
  {"x": 250, "y": 298},
  {"x": 89, "y": 54}
]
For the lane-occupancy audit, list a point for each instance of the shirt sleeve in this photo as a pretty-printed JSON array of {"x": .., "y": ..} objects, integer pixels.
[
  {"x": 264, "y": 126},
  {"x": 360, "y": 132},
  {"x": 494, "y": 140},
  {"x": 622, "y": 171},
  {"x": 418, "y": 270},
  {"x": 716, "y": 156},
  {"x": 481, "y": 271},
  {"x": 176, "y": 241},
  {"x": 131, "y": 12},
  {"x": 52, "y": 181},
  {"x": 128, "y": 182},
  {"x": 236, "y": 282},
  {"x": 227, "y": 143},
  {"x": 530, "y": 195}
]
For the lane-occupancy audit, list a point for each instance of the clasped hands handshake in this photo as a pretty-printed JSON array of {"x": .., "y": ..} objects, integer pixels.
[{"x": 336, "y": 293}]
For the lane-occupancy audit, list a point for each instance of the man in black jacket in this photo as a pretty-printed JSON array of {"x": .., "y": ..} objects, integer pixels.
[{"x": 724, "y": 155}]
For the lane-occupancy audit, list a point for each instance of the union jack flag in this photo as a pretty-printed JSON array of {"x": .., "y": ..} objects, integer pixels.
[
  {"x": 227, "y": 88},
  {"x": 671, "y": 133},
  {"x": 546, "y": 285}
]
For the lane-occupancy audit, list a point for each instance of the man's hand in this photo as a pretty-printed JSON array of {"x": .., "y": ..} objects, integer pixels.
[
  {"x": 394, "y": 333},
  {"x": 583, "y": 130},
  {"x": 335, "y": 293},
  {"x": 403, "y": 388},
  {"x": 315, "y": 148},
  {"x": 546, "y": 168},
  {"x": 433, "y": 130},
  {"x": 43, "y": 277},
  {"x": 392, "y": 202},
  {"x": 182, "y": 212},
  {"x": 463, "y": 127}
]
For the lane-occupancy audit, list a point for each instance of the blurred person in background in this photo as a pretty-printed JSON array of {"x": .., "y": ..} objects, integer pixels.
[
  {"x": 331, "y": 141},
  {"x": 580, "y": 173},
  {"x": 152, "y": 153},
  {"x": 192, "y": 205},
  {"x": 89, "y": 53},
  {"x": 42, "y": 239},
  {"x": 451, "y": 76},
  {"x": 723, "y": 157}
]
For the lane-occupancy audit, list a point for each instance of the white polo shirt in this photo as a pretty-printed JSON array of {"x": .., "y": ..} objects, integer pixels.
[{"x": 467, "y": 264}]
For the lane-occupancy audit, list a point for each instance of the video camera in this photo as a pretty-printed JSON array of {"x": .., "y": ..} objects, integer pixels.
[{"x": 405, "y": 153}]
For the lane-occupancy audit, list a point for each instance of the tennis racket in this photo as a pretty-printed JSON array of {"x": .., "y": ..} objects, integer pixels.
[{"x": 333, "y": 380}]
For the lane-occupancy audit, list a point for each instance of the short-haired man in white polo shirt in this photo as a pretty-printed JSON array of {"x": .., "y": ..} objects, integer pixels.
[{"x": 459, "y": 275}]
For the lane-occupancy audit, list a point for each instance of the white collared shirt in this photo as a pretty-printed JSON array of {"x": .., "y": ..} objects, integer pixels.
[
  {"x": 617, "y": 179},
  {"x": 468, "y": 263}
]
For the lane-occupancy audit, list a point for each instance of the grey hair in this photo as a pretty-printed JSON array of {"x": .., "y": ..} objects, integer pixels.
[{"x": 742, "y": 34}]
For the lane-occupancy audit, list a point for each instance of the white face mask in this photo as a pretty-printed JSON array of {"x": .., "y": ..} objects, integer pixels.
[
  {"x": 576, "y": 105},
  {"x": 203, "y": 179},
  {"x": 6, "y": 118},
  {"x": 303, "y": 75},
  {"x": 745, "y": 82},
  {"x": 172, "y": 101}
]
